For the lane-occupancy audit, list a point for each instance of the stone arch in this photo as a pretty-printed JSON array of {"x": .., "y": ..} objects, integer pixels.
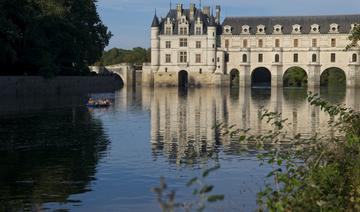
[
  {"x": 234, "y": 78},
  {"x": 261, "y": 77},
  {"x": 119, "y": 78},
  {"x": 333, "y": 76},
  {"x": 183, "y": 79},
  {"x": 295, "y": 76}
]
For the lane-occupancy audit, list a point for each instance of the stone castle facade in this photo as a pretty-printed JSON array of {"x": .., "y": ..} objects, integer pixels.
[{"x": 191, "y": 47}]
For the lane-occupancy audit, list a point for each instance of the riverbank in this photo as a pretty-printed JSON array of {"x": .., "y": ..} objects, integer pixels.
[{"x": 63, "y": 85}]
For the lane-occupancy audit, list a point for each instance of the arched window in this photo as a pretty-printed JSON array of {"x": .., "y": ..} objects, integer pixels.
[
  {"x": 354, "y": 58},
  {"x": 277, "y": 58},
  {"x": 314, "y": 58},
  {"x": 244, "y": 58}
]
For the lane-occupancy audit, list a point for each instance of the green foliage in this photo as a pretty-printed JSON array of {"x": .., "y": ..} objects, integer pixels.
[
  {"x": 50, "y": 37},
  {"x": 295, "y": 77},
  {"x": 136, "y": 56},
  {"x": 201, "y": 193},
  {"x": 318, "y": 173},
  {"x": 354, "y": 38}
]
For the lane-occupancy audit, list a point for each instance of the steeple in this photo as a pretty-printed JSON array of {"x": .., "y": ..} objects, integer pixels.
[
  {"x": 212, "y": 22},
  {"x": 155, "y": 22}
]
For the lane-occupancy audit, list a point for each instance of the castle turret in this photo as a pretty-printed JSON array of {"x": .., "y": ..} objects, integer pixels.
[
  {"x": 212, "y": 43},
  {"x": 155, "y": 44}
]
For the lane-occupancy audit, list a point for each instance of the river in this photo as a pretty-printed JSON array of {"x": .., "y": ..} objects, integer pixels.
[{"x": 58, "y": 155}]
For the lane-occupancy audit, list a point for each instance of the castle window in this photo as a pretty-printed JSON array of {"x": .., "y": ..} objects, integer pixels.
[
  {"x": 333, "y": 42},
  {"x": 218, "y": 60},
  {"x": 168, "y": 44},
  {"x": 183, "y": 57},
  {"x": 183, "y": 42},
  {"x": 198, "y": 44},
  {"x": 296, "y": 29},
  {"x": 296, "y": 58},
  {"x": 183, "y": 31},
  {"x": 168, "y": 58},
  {"x": 198, "y": 58},
  {"x": 334, "y": 28},
  {"x": 168, "y": 30},
  {"x": 315, "y": 28},
  {"x": 296, "y": 43},
  {"x": 245, "y": 43},
  {"x": 277, "y": 43},
  {"x": 277, "y": 29},
  {"x": 227, "y": 58},
  {"x": 260, "y": 43},
  {"x": 354, "y": 58},
  {"x": 314, "y": 42},
  {"x": 260, "y": 58},
  {"x": 244, "y": 58},
  {"x": 198, "y": 30},
  {"x": 261, "y": 29},
  {"x": 277, "y": 58},
  {"x": 227, "y": 29},
  {"x": 245, "y": 29},
  {"x": 227, "y": 44},
  {"x": 333, "y": 57},
  {"x": 314, "y": 58}
]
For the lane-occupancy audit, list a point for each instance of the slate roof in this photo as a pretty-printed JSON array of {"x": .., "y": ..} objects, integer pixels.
[
  {"x": 172, "y": 14},
  {"x": 344, "y": 22},
  {"x": 155, "y": 22}
]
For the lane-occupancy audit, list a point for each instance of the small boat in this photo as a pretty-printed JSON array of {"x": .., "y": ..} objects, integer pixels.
[{"x": 101, "y": 103}]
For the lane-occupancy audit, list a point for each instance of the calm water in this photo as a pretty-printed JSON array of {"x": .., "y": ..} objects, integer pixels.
[{"x": 56, "y": 154}]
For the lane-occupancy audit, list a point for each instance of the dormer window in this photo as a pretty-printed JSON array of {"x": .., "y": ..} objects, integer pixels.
[
  {"x": 227, "y": 30},
  {"x": 261, "y": 29},
  {"x": 168, "y": 27},
  {"x": 183, "y": 26},
  {"x": 315, "y": 28},
  {"x": 245, "y": 30},
  {"x": 296, "y": 29},
  {"x": 278, "y": 29},
  {"x": 334, "y": 28}
]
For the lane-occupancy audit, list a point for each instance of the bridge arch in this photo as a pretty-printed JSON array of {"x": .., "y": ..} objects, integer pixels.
[
  {"x": 333, "y": 76},
  {"x": 261, "y": 77},
  {"x": 234, "y": 78},
  {"x": 183, "y": 79},
  {"x": 295, "y": 76}
]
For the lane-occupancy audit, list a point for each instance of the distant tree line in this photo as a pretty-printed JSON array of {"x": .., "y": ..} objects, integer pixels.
[
  {"x": 136, "y": 56},
  {"x": 50, "y": 37}
]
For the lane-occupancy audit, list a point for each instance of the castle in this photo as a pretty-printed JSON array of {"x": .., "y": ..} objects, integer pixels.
[{"x": 191, "y": 47}]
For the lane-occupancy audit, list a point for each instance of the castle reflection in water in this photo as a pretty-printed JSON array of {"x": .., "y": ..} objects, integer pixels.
[{"x": 182, "y": 122}]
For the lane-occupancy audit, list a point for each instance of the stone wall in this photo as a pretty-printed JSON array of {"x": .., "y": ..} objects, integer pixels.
[{"x": 30, "y": 86}]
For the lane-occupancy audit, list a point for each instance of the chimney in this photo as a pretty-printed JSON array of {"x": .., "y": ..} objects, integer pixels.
[
  {"x": 192, "y": 11},
  {"x": 218, "y": 14},
  {"x": 206, "y": 11},
  {"x": 179, "y": 8}
]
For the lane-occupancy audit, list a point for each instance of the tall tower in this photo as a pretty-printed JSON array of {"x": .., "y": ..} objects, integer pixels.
[
  {"x": 155, "y": 44},
  {"x": 211, "y": 37}
]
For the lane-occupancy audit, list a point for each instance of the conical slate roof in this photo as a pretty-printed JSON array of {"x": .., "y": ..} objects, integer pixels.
[{"x": 155, "y": 22}]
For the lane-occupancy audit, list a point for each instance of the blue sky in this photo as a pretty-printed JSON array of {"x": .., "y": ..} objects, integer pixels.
[{"x": 129, "y": 20}]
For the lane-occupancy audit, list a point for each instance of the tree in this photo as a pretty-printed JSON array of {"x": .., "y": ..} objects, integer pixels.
[
  {"x": 50, "y": 37},
  {"x": 354, "y": 38}
]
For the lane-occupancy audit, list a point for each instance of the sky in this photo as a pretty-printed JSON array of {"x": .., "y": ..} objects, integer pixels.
[{"x": 129, "y": 20}]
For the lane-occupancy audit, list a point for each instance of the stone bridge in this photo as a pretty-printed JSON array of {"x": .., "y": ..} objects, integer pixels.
[{"x": 125, "y": 71}]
